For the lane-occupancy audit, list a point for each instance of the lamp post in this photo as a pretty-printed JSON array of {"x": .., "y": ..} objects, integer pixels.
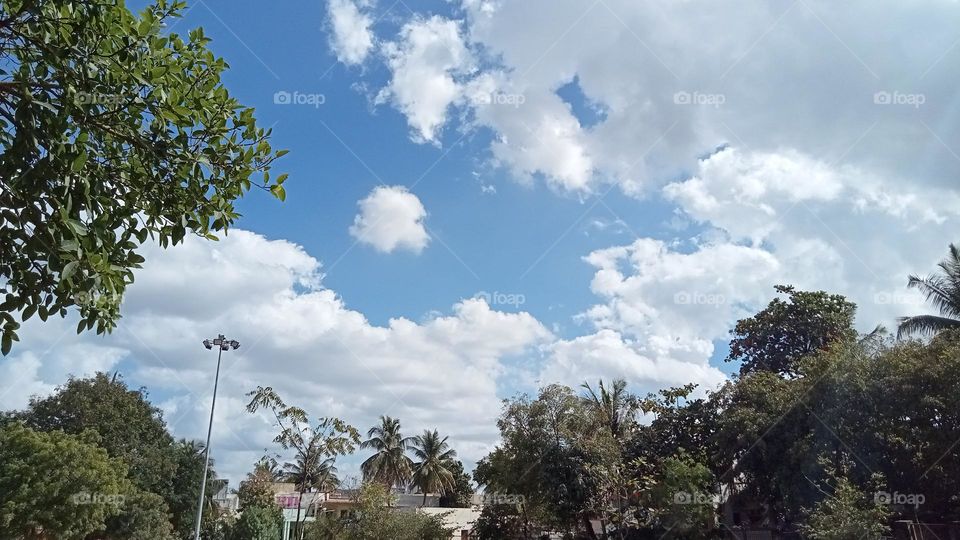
[{"x": 222, "y": 344}]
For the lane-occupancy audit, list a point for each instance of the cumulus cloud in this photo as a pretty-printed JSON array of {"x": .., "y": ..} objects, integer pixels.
[
  {"x": 391, "y": 218},
  {"x": 296, "y": 336},
  {"x": 351, "y": 36},
  {"x": 426, "y": 63}
]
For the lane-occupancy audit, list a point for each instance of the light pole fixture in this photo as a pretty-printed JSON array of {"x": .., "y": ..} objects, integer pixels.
[{"x": 222, "y": 344}]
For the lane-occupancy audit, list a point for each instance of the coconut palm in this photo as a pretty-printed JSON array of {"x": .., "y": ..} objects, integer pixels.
[
  {"x": 389, "y": 465},
  {"x": 942, "y": 289},
  {"x": 314, "y": 474},
  {"x": 615, "y": 407},
  {"x": 434, "y": 472}
]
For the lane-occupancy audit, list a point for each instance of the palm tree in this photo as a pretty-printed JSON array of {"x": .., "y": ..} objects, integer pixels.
[
  {"x": 943, "y": 291},
  {"x": 615, "y": 407},
  {"x": 389, "y": 465},
  {"x": 434, "y": 472}
]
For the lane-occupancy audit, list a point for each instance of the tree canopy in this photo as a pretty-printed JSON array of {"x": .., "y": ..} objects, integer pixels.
[{"x": 113, "y": 131}]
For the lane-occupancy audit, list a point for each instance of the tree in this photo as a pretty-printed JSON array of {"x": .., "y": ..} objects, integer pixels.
[
  {"x": 257, "y": 489},
  {"x": 785, "y": 331},
  {"x": 377, "y": 519},
  {"x": 258, "y": 523},
  {"x": 461, "y": 495},
  {"x": 389, "y": 464},
  {"x": 846, "y": 512},
  {"x": 312, "y": 444},
  {"x": 143, "y": 516},
  {"x": 189, "y": 458},
  {"x": 112, "y": 131},
  {"x": 943, "y": 291},
  {"x": 130, "y": 428},
  {"x": 433, "y": 473},
  {"x": 615, "y": 407},
  {"x": 57, "y": 485}
]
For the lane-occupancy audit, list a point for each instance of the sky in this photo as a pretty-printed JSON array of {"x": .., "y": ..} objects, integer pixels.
[{"x": 487, "y": 196}]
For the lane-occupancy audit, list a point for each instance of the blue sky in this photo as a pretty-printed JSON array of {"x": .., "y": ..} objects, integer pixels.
[{"x": 640, "y": 174}]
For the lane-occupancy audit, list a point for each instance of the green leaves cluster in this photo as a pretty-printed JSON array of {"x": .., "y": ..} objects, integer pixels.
[{"x": 112, "y": 132}]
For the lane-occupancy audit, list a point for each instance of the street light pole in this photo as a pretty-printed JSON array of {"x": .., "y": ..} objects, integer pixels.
[{"x": 222, "y": 345}]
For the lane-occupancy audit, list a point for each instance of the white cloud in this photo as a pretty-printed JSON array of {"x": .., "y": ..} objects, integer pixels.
[
  {"x": 391, "y": 218},
  {"x": 426, "y": 63},
  {"x": 352, "y": 38}
]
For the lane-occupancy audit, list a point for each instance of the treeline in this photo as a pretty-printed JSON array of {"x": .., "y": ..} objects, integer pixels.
[{"x": 824, "y": 433}]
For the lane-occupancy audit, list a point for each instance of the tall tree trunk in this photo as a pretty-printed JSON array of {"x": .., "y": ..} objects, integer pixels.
[
  {"x": 296, "y": 522},
  {"x": 424, "y": 503}
]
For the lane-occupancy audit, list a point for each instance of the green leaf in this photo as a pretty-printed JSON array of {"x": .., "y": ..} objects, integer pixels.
[
  {"x": 278, "y": 192},
  {"x": 69, "y": 270},
  {"x": 79, "y": 162},
  {"x": 6, "y": 343}
]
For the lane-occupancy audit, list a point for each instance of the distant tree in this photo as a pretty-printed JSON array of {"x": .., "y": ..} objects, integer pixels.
[
  {"x": 257, "y": 489},
  {"x": 258, "y": 523},
  {"x": 389, "y": 464},
  {"x": 186, "y": 488},
  {"x": 143, "y": 516},
  {"x": 57, "y": 485},
  {"x": 433, "y": 473},
  {"x": 943, "y": 291},
  {"x": 113, "y": 130},
  {"x": 615, "y": 407},
  {"x": 315, "y": 445},
  {"x": 130, "y": 428},
  {"x": 777, "y": 337},
  {"x": 461, "y": 495},
  {"x": 376, "y": 519},
  {"x": 846, "y": 512}
]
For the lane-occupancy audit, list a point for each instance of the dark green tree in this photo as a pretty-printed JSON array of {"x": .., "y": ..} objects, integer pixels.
[
  {"x": 461, "y": 496},
  {"x": 389, "y": 464},
  {"x": 788, "y": 330},
  {"x": 112, "y": 131}
]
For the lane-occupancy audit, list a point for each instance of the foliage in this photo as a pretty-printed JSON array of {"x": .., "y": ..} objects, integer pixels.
[
  {"x": 682, "y": 499},
  {"x": 258, "y": 523},
  {"x": 189, "y": 457},
  {"x": 377, "y": 519},
  {"x": 112, "y": 131},
  {"x": 316, "y": 445},
  {"x": 461, "y": 494},
  {"x": 389, "y": 464},
  {"x": 130, "y": 428},
  {"x": 432, "y": 473},
  {"x": 144, "y": 516},
  {"x": 943, "y": 291},
  {"x": 846, "y": 513},
  {"x": 777, "y": 337},
  {"x": 61, "y": 484},
  {"x": 257, "y": 489}
]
